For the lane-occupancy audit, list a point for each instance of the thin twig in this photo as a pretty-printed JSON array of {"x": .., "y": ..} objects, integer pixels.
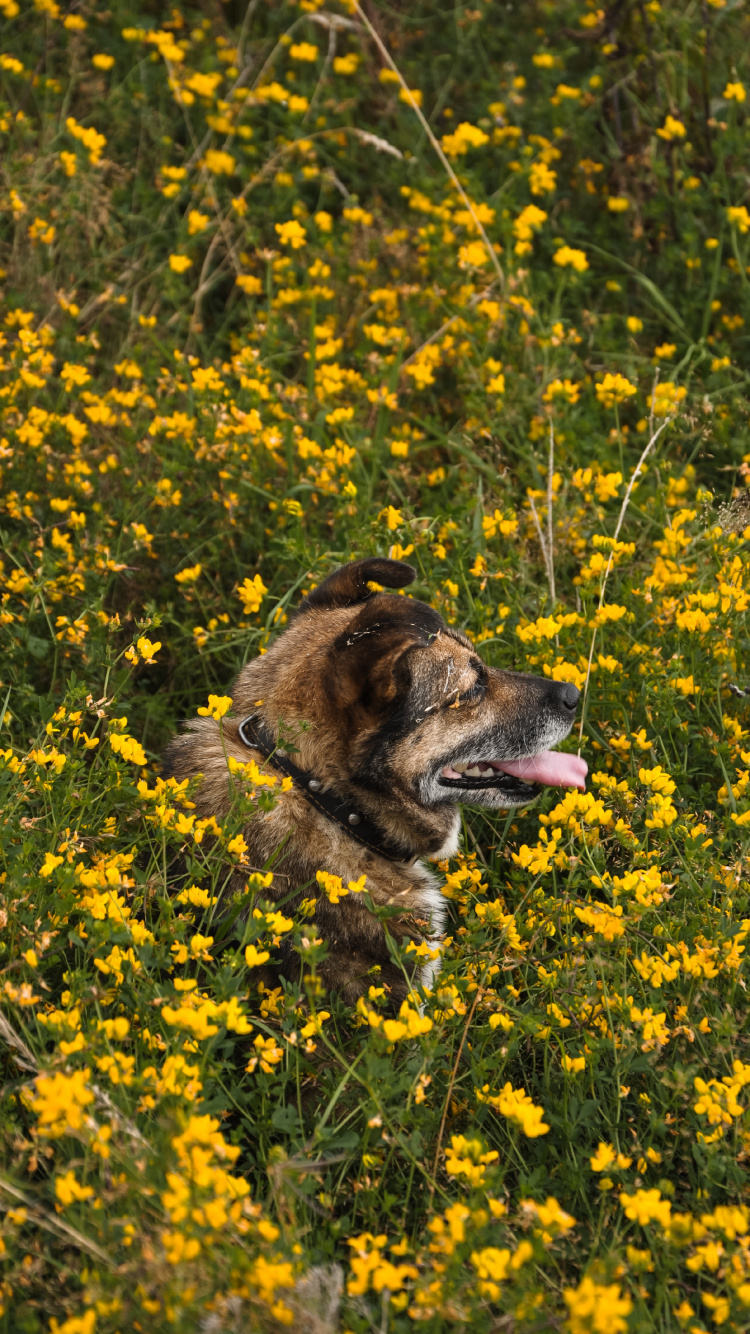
[
  {"x": 411, "y": 101},
  {"x": 45, "y": 1220},
  {"x": 540, "y": 534},
  {"x": 27, "y": 1060},
  {"x": 247, "y": 20},
  {"x": 330, "y": 54},
  {"x": 635, "y": 476},
  {"x": 623, "y": 509},
  {"x": 550, "y": 520}
]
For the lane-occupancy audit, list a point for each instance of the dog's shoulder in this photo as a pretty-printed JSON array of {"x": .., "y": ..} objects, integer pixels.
[{"x": 198, "y": 750}]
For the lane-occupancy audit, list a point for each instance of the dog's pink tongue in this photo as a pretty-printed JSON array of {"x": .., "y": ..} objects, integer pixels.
[{"x": 552, "y": 767}]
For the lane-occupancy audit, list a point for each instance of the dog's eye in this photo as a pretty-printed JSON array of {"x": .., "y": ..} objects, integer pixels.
[{"x": 475, "y": 692}]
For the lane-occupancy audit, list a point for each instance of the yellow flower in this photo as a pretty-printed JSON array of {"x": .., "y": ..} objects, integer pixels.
[
  {"x": 667, "y": 396},
  {"x": 83, "y": 1324},
  {"x": 465, "y": 1158},
  {"x": 218, "y": 706},
  {"x": 219, "y": 163},
  {"x": 358, "y": 215},
  {"x": 179, "y": 263},
  {"x": 734, "y": 92},
  {"x": 603, "y": 1158},
  {"x": 573, "y": 1064},
  {"x": 421, "y": 367},
  {"x": 497, "y": 523},
  {"x": 740, "y": 217},
  {"x": 128, "y": 748},
  {"x": 472, "y": 256},
  {"x": 410, "y": 1024},
  {"x": 333, "y": 888},
  {"x": 646, "y": 1206},
  {"x": 304, "y": 51},
  {"x": 41, "y": 230},
  {"x": 255, "y": 957},
  {"x": 348, "y": 64},
  {"x": 551, "y": 1219},
  {"x": 249, "y": 284},
  {"x": 189, "y": 575},
  {"x": 541, "y": 179},
  {"x": 142, "y": 650},
  {"x": 102, "y": 61},
  {"x": 60, "y": 1101},
  {"x": 672, "y": 129},
  {"x": 685, "y": 684},
  {"x": 291, "y": 233},
  {"x": 400, "y": 449},
  {"x": 606, "y": 1158},
  {"x": 268, "y": 1054},
  {"x": 517, "y": 1106},
  {"x": 597, "y": 1308},
  {"x": 199, "y": 946},
  {"x": 614, "y": 389},
  {"x": 528, "y": 221},
  {"x": 567, "y": 257},
  {"x": 251, "y": 593},
  {"x": 90, "y": 139},
  {"x": 197, "y": 222},
  {"x": 562, "y": 389},
  {"x": 67, "y": 1189},
  {"x": 393, "y": 518},
  {"x": 618, "y": 204},
  {"x": 546, "y": 627},
  {"x": 73, "y": 374}
]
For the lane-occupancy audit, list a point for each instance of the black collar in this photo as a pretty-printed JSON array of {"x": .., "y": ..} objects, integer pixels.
[{"x": 358, "y": 826}]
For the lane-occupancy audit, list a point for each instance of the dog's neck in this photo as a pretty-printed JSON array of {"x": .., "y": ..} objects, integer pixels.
[
  {"x": 346, "y": 814},
  {"x": 398, "y": 831}
]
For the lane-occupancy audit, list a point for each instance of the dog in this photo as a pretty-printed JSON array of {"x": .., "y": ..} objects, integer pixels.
[{"x": 396, "y": 720}]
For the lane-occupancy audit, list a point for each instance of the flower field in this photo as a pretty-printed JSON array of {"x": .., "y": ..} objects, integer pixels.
[{"x": 283, "y": 285}]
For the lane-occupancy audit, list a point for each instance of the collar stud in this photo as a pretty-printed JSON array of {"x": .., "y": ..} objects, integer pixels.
[
  {"x": 354, "y": 818},
  {"x": 314, "y": 784}
]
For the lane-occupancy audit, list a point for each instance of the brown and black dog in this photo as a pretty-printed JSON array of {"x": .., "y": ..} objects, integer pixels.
[{"x": 403, "y": 721}]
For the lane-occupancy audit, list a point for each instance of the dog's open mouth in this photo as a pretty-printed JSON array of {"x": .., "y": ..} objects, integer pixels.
[{"x": 550, "y": 768}]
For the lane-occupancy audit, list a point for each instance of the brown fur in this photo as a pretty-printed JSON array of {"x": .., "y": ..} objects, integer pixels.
[{"x": 389, "y": 694}]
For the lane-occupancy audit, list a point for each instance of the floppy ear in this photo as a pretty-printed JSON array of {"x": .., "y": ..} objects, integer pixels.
[
  {"x": 369, "y": 661},
  {"x": 348, "y": 585}
]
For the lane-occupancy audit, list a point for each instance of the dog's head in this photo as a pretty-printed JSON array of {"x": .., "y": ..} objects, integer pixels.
[{"x": 401, "y": 705}]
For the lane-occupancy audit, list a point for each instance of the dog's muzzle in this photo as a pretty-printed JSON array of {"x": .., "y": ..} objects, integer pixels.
[{"x": 514, "y": 787}]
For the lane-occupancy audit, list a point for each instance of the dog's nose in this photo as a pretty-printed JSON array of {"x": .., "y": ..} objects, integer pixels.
[{"x": 566, "y": 695}]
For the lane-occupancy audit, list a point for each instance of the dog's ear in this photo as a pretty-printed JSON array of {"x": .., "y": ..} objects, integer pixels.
[
  {"x": 349, "y": 585},
  {"x": 369, "y": 665}
]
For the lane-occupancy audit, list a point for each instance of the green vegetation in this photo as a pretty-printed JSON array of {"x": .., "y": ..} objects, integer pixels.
[{"x": 253, "y": 324}]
